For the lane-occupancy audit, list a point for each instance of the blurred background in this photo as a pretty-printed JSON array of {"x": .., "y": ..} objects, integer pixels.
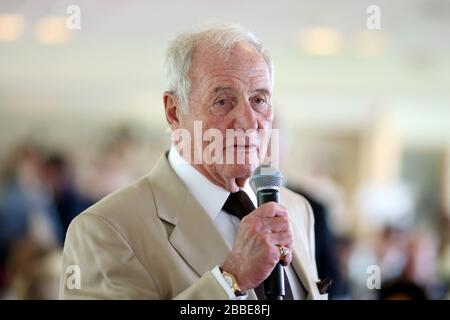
[{"x": 364, "y": 116}]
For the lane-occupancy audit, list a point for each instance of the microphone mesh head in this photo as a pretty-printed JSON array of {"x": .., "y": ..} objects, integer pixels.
[{"x": 266, "y": 177}]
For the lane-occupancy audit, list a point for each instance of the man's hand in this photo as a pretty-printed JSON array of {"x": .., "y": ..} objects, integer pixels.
[{"x": 256, "y": 249}]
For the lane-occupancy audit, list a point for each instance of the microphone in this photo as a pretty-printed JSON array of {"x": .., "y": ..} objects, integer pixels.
[{"x": 265, "y": 182}]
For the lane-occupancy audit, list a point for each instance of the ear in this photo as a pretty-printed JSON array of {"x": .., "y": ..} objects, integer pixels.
[{"x": 172, "y": 109}]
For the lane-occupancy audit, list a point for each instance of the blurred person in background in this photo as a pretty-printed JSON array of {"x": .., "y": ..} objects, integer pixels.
[
  {"x": 26, "y": 205},
  {"x": 32, "y": 270},
  {"x": 390, "y": 250},
  {"x": 421, "y": 260},
  {"x": 66, "y": 198},
  {"x": 401, "y": 290}
]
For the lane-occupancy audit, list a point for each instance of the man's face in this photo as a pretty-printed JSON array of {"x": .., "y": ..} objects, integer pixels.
[{"x": 233, "y": 94}]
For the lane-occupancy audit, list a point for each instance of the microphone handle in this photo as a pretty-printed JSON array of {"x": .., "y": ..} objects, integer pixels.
[{"x": 274, "y": 284}]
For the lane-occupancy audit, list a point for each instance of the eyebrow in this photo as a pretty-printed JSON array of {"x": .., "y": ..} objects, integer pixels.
[
  {"x": 259, "y": 90},
  {"x": 218, "y": 89}
]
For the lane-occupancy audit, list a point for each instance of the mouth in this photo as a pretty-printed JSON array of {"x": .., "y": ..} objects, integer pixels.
[
  {"x": 241, "y": 147},
  {"x": 240, "y": 154}
]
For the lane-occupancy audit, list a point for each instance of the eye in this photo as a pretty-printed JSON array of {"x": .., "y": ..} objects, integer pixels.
[
  {"x": 222, "y": 106},
  {"x": 259, "y": 102},
  {"x": 222, "y": 102}
]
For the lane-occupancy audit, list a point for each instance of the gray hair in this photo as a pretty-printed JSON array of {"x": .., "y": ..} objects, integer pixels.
[{"x": 223, "y": 38}]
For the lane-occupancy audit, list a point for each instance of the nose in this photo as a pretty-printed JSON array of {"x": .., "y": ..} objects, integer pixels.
[{"x": 245, "y": 117}]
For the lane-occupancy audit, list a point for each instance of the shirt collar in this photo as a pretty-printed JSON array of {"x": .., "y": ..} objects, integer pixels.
[{"x": 210, "y": 196}]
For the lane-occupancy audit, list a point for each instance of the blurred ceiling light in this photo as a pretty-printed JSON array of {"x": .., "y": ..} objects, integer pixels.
[
  {"x": 52, "y": 30},
  {"x": 370, "y": 43},
  {"x": 11, "y": 26},
  {"x": 321, "y": 41}
]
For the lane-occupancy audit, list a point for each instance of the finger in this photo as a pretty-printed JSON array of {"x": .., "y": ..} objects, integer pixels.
[
  {"x": 275, "y": 224},
  {"x": 282, "y": 211},
  {"x": 286, "y": 260},
  {"x": 285, "y": 255},
  {"x": 281, "y": 239},
  {"x": 271, "y": 209}
]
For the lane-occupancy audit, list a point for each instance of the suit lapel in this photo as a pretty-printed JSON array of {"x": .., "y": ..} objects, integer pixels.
[
  {"x": 197, "y": 240},
  {"x": 299, "y": 258},
  {"x": 194, "y": 237}
]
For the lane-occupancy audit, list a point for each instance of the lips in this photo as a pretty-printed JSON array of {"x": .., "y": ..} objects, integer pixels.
[{"x": 238, "y": 146}]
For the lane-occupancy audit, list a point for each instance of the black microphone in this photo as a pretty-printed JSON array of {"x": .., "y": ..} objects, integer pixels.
[{"x": 265, "y": 182}]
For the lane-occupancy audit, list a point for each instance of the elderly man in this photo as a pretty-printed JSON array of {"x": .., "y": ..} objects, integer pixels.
[{"x": 177, "y": 233}]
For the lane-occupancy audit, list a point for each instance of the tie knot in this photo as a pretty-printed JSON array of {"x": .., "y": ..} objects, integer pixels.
[{"x": 238, "y": 204}]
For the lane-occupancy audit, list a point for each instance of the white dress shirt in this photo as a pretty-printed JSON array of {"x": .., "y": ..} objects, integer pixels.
[{"x": 212, "y": 198}]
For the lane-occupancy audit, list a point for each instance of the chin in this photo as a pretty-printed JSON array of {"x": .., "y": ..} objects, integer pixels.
[{"x": 243, "y": 165}]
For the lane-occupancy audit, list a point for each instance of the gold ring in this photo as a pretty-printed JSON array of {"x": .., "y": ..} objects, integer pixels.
[{"x": 283, "y": 250}]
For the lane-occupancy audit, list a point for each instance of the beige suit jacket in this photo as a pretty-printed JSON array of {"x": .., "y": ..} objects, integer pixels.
[{"x": 152, "y": 240}]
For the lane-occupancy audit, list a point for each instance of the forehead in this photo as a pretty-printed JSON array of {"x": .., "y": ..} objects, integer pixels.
[{"x": 244, "y": 66}]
